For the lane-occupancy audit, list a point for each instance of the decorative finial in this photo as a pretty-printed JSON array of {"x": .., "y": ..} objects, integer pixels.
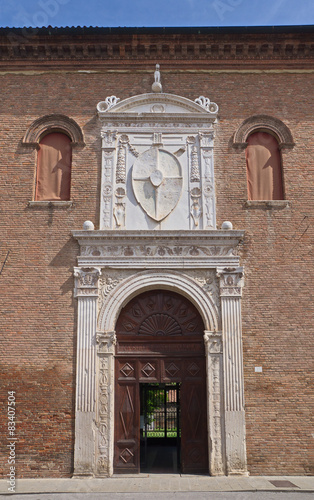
[{"x": 157, "y": 87}]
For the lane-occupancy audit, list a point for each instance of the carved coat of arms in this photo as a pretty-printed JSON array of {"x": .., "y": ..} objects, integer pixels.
[{"x": 157, "y": 182}]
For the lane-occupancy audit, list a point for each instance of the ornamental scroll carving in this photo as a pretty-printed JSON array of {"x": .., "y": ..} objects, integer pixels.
[{"x": 209, "y": 283}]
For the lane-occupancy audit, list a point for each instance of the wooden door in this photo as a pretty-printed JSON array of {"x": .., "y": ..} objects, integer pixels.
[
  {"x": 127, "y": 423},
  {"x": 194, "y": 437},
  {"x": 160, "y": 340}
]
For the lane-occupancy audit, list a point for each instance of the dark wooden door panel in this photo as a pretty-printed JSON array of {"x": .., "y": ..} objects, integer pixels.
[
  {"x": 127, "y": 428},
  {"x": 194, "y": 447}
]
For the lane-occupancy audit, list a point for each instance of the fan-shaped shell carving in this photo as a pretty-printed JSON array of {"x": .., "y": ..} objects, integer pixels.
[{"x": 160, "y": 324}]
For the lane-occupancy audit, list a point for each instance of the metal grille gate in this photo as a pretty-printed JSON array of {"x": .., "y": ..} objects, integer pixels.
[{"x": 160, "y": 426}]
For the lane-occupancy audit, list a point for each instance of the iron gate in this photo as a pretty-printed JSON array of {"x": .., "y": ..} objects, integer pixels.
[{"x": 160, "y": 419}]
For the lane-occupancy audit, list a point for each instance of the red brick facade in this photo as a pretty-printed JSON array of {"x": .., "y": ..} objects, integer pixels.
[{"x": 247, "y": 73}]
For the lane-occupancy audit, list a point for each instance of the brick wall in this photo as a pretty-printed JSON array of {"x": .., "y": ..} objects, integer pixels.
[{"x": 37, "y": 305}]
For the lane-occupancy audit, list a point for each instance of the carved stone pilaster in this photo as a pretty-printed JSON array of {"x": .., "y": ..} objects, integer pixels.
[
  {"x": 231, "y": 282},
  {"x": 108, "y": 157},
  {"x": 86, "y": 290},
  {"x": 213, "y": 347},
  {"x": 105, "y": 412},
  {"x": 206, "y": 140}
]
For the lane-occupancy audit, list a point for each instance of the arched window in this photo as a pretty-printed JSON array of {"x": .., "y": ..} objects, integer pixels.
[
  {"x": 53, "y": 180},
  {"x": 263, "y": 164}
]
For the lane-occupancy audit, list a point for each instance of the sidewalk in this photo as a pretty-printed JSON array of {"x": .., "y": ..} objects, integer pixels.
[{"x": 150, "y": 483}]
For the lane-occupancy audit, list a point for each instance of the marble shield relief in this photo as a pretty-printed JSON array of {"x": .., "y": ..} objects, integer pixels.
[{"x": 157, "y": 182}]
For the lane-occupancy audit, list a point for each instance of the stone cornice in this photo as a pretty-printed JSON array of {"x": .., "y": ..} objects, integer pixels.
[
  {"x": 159, "y": 249},
  {"x": 74, "y": 47}
]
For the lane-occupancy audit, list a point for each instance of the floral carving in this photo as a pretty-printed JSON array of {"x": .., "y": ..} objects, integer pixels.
[{"x": 158, "y": 250}]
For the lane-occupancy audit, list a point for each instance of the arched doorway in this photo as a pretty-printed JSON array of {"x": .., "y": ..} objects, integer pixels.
[{"x": 160, "y": 350}]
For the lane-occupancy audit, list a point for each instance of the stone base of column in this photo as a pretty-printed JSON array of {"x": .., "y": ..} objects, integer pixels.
[
  {"x": 84, "y": 444},
  {"x": 235, "y": 443}
]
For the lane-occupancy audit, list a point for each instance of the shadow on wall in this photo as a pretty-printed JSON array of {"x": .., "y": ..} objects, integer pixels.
[
  {"x": 92, "y": 133},
  {"x": 66, "y": 258}
]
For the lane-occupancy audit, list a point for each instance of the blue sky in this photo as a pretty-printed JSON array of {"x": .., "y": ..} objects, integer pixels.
[{"x": 148, "y": 13}]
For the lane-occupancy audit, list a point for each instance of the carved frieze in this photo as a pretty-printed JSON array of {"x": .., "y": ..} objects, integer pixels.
[{"x": 157, "y": 250}]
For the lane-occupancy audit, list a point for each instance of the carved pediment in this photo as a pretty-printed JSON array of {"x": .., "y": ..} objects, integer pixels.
[
  {"x": 157, "y": 162},
  {"x": 152, "y": 104}
]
